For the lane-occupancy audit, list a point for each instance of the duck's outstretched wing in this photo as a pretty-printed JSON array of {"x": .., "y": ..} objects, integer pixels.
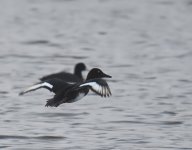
[
  {"x": 53, "y": 85},
  {"x": 99, "y": 86}
]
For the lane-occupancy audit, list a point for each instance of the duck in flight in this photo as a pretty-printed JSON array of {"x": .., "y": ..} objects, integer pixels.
[
  {"x": 69, "y": 93},
  {"x": 68, "y": 77}
]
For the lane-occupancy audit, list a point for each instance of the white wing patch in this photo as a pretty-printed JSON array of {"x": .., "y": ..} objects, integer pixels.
[
  {"x": 99, "y": 89},
  {"x": 47, "y": 85},
  {"x": 37, "y": 86},
  {"x": 93, "y": 85}
]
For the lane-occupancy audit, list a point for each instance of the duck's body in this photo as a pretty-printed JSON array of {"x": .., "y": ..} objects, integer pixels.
[
  {"x": 68, "y": 93},
  {"x": 68, "y": 77}
]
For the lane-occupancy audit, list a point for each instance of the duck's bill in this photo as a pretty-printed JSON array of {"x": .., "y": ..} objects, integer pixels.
[{"x": 106, "y": 75}]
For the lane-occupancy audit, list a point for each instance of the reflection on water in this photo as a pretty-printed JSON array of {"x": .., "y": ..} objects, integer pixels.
[{"x": 145, "y": 46}]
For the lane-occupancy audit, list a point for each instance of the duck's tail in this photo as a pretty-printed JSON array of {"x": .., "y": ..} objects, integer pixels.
[{"x": 52, "y": 103}]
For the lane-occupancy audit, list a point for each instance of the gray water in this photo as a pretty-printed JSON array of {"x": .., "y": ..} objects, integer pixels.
[{"x": 145, "y": 45}]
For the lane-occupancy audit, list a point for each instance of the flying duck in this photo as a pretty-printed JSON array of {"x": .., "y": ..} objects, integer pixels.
[
  {"x": 68, "y": 77},
  {"x": 69, "y": 93}
]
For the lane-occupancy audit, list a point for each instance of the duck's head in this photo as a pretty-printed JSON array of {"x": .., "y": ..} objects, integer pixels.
[
  {"x": 80, "y": 67},
  {"x": 96, "y": 73}
]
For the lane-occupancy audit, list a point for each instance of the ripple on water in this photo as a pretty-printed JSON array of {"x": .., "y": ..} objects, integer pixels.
[
  {"x": 42, "y": 43},
  {"x": 171, "y": 122},
  {"x": 32, "y": 137},
  {"x": 4, "y": 146},
  {"x": 3, "y": 92},
  {"x": 147, "y": 122},
  {"x": 186, "y": 81},
  {"x": 68, "y": 56},
  {"x": 36, "y": 42},
  {"x": 169, "y": 113},
  {"x": 48, "y": 115}
]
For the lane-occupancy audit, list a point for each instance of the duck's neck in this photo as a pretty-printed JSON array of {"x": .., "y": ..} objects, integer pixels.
[{"x": 78, "y": 73}]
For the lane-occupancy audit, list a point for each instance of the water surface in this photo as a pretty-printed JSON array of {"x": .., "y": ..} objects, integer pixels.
[{"x": 145, "y": 45}]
